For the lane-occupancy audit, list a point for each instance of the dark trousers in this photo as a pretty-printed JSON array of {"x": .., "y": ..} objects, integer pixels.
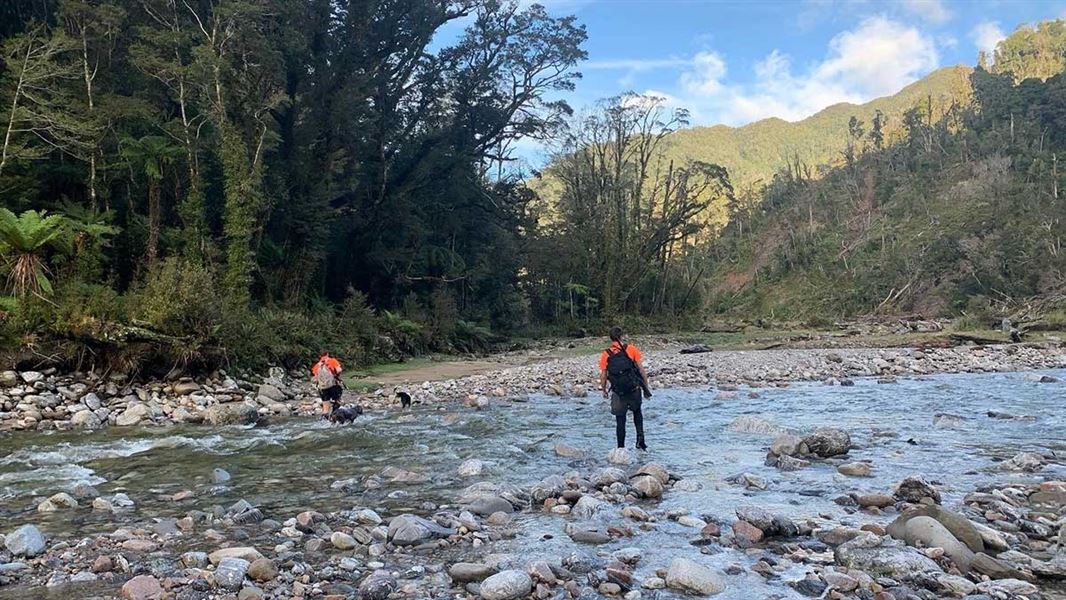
[{"x": 632, "y": 402}]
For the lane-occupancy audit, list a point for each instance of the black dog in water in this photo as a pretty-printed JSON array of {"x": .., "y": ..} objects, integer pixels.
[
  {"x": 342, "y": 415},
  {"x": 405, "y": 399}
]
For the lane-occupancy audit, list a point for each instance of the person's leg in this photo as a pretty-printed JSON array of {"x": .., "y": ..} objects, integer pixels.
[
  {"x": 638, "y": 423},
  {"x": 620, "y": 430}
]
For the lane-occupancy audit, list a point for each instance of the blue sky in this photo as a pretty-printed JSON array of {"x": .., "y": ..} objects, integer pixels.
[{"x": 736, "y": 62}]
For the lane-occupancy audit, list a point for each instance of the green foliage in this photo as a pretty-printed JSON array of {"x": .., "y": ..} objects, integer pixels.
[
  {"x": 26, "y": 242},
  {"x": 1033, "y": 51},
  {"x": 178, "y": 298}
]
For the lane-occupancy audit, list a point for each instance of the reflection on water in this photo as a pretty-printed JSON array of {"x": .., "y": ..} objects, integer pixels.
[{"x": 289, "y": 467}]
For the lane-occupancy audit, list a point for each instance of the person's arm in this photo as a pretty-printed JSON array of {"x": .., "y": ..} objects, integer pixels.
[
  {"x": 644, "y": 378},
  {"x": 603, "y": 382}
]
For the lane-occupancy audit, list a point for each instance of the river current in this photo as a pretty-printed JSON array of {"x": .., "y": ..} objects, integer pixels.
[{"x": 293, "y": 465}]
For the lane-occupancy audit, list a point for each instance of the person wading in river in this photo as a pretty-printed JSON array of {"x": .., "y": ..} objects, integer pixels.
[
  {"x": 620, "y": 366},
  {"x": 326, "y": 374}
]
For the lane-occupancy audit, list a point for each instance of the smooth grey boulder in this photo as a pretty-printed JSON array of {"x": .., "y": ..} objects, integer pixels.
[
  {"x": 25, "y": 541},
  {"x": 688, "y": 576},
  {"x": 507, "y": 585},
  {"x": 927, "y": 532}
]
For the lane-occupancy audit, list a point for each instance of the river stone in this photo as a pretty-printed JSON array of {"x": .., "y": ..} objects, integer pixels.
[
  {"x": 647, "y": 486},
  {"x": 409, "y": 530},
  {"x": 142, "y": 587},
  {"x": 587, "y": 507},
  {"x": 230, "y": 572},
  {"x": 262, "y": 570},
  {"x": 828, "y": 441},
  {"x": 272, "y": 392},
  {"x": 587, "y": 535},
  {"x": 866, "y": 553},
  {"x": 959, "y": 526},
  {"x": 467, "y": 572},
  {"x": 342, "y": 541},
  {"x": 786, "y": 444},
  {"x": 855, "y": 469},
  {"x": 471, "y": 468},
  {"x": 929, "y": 533},
  {"x": 378, "y": 586},
  {"x": 606, "y": 476},
  {"x": 568, "y": 451},
  {"x": 246, "y": 553},
  {"x": 620, "y": 456},
  {"x": 657, "y": 471},
  {"x": 956, "y": 586},
  {"x": 915, "y": 489},
  {"x": 234, "y": 413},
  {"x": 366, "y": 516},
  {"x": 1025, "y": 461},
  {"x": 753, "y": 424},
  {"x": 25, "y": 541},
  {"x": 85, "y": 419},
  {"x": 132, "y": 415},
  {"x": 549, "y": 487},
  {"x": 788, "y": 463},
  {"x": 9, "y": 378},
  {"x": 688, "y": 576},
  {"x": 874, "y": 500},
  {"x": 60, "y": 501},
  {"x": 756, "y": 516},
  {"x": 1007, "y": 588},
  {"x": 507, "y": 585},
  {"x": 486, "y": 505},
  {"x": 32, "y": 377}
]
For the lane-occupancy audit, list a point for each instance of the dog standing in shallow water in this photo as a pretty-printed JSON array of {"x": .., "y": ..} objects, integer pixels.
[
  {"x": 343, "y": 415},
  {"x": 405, "y": 399}
]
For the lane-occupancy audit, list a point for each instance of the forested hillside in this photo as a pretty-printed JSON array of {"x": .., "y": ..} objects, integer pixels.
[
  {"x": 964, "y": 214},
  {"x": 755, "y": 152}
]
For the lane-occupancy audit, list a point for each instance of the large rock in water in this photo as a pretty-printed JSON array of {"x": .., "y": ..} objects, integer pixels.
[
  {"x": 409, "y": 530},
  {"x": 828, "y": 441},
  {"x": 866, "y": 553},
  {"x": 487, "y": 505},
  {"x": 915, "y": 490},
  {"x": 688, "y": 576},
  {"x": 927, "y": 532},
  {"x": 25, "y": 541},
  {"x": 467, "y": 572},
  {"x": 234, "y": 413},
  {"x": 507, "y": 585},
  {"x": 959, "y": 526},
  {"x": 587, "y": 506}
]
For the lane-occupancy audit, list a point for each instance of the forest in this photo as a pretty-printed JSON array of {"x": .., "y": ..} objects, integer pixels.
[{"x": 205, "y": 182}]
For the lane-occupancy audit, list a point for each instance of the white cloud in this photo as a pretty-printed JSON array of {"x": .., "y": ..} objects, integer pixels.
[
  {"x": 879, "y": 57},
  {"x": 986, "y": 35},
  {"x": 933, "y": 11}
]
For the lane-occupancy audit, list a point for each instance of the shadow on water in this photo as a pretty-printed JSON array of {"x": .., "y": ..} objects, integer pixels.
[{"x": 293, "y": 465}]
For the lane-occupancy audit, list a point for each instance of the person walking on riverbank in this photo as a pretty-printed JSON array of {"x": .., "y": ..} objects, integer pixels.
[
  {"x": 620, "y": 365},
  {"x": 326, "y": 373}
]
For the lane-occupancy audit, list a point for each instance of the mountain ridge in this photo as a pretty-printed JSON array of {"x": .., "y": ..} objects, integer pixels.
[{"x": 752, "y": 153}]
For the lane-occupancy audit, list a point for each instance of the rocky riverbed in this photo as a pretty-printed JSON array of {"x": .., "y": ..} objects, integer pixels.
[
  {"x": 898, "y": 486},
  {"x": 44, "y": 401}
]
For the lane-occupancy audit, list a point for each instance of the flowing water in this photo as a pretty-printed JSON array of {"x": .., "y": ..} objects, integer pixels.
[{"x": 290, "y": 466}]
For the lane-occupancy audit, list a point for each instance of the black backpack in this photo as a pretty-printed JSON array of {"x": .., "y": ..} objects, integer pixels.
[{"x": 622, "y": 371}]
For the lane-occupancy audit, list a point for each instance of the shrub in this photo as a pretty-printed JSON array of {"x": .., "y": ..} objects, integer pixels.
[{"x": 179, "y": 298}]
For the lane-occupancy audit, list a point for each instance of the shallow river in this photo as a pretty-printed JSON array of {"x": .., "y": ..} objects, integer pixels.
[{"x": 290, "y": 466}]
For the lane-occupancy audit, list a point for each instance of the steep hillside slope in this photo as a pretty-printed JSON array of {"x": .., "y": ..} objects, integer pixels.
[{"x": 754, "y": 152}]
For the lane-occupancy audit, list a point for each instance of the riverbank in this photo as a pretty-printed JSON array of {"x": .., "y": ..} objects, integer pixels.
[
  {"x": 45, "y": 400},
  {"x": 774, "y": 492}
]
